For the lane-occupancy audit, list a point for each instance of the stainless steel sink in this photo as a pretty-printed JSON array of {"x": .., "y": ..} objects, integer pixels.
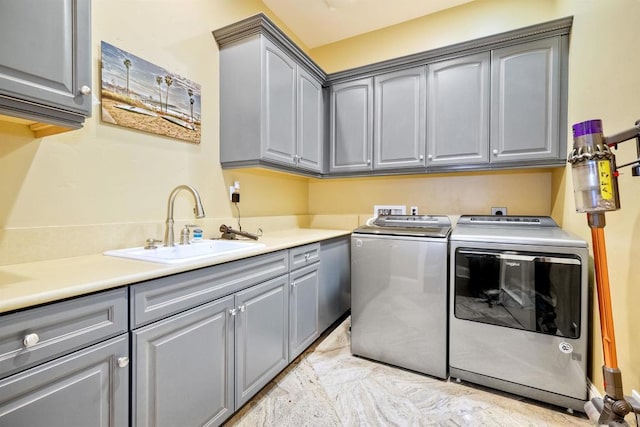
[{"x": 184, "y": 253}]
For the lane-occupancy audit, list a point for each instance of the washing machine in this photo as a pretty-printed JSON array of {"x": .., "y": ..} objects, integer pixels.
[
  {"x": 518, "y": 307},
  {"x": 399, "y": 292}
]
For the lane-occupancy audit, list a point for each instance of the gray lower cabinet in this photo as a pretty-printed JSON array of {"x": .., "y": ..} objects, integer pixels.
[
  {"x": 272, "y": 108},
  {"x": 66, "y": 364},
  {"x": 303, "y": 308},
  {"x": 183, "y": 372},
  {"x": 197, "y": 367},
  {"x": 458, "y": 111},
  {"x": 85, "y": 388},
  {"x": 334, "y": 295},
  {"x": 262, "y": 336},
  {"x": 351, "y": 126},
  {"x": 45, "y": 61},
  {"x": 525, "y": 106},
  {"x": 400, "y": 119}
]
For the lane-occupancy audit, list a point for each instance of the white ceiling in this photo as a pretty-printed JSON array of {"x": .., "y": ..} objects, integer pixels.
[{"x": 319, "y": 22}]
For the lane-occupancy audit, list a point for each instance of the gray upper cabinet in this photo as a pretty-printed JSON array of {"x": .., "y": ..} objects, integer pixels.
[
  {"x": 310, "y": 124},
  {"x": 279, "y": 110},
  {"x": 45, "y": 61},
  {"x": 458, "y": 111},
  {"x": 271, "y": 103},
  {"x": 495, "y": 102},
  {"x": 351, "y": 126},
  {"x": 400, "y": 119},
  {"x": 525, "y": 107}
]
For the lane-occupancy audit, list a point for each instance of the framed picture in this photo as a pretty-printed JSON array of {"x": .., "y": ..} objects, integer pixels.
[{"x": 140, "y": 95}]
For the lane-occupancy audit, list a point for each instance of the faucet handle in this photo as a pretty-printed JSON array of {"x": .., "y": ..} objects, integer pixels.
[
  {"x": 185, "y": 233},
  {"x": 151, "y": 243}
]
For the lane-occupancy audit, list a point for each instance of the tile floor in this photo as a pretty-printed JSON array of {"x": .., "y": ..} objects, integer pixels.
[{"x": 327, "y": 386}]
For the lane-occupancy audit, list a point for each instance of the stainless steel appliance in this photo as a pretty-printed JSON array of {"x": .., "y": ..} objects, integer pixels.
[
  {"x": 399, "y": 292},
  {"x": 518, "y": 308}
]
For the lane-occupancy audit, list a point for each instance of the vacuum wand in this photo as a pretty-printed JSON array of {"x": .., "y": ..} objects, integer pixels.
[{"x": 595, "y": 180}]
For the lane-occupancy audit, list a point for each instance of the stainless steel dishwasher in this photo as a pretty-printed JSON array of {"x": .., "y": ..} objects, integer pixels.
[{"x": 399, "y": 292}]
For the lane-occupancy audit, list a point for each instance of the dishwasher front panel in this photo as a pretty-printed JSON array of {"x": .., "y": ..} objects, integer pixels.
[{"x": 399, "y": 301}]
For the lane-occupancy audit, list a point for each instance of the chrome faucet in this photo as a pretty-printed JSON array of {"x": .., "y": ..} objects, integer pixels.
[{"x": 198, "y": 210}]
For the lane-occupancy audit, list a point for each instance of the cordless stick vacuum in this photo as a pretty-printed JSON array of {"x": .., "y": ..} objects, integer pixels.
[{"x": 595, "y": 181}]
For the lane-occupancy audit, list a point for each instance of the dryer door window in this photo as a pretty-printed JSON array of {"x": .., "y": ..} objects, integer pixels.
[{"x": 523, "y": 290}]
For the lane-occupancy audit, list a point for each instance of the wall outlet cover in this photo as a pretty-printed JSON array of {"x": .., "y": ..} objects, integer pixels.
[
  {"x": 389, "y": 210},
  {"x": 499, "y": 211}
]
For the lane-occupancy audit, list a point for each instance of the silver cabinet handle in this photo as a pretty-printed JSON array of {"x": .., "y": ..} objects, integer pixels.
[
  {"x": 233, "y": 312},
  {"x": 294, "y": 285},
  {"x": 123, "y": 361},
  {"x": 30, "y": 340},
  {"x": 242, "y": 308},
  {"x": 495, "y": 152},
  {"x": 85, "y": 90},
  {"x": 307, "y": 256},
  {"x": 368, "y": 161},
  {"x": 430, "y": 156},
  {"x": 421, "y": 157}
]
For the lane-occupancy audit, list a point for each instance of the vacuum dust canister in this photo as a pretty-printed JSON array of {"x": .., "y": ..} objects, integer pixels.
[{"x": 595, "y": 179}]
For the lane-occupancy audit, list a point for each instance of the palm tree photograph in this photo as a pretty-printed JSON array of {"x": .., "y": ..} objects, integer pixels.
[{"x": 140, "y": 95}]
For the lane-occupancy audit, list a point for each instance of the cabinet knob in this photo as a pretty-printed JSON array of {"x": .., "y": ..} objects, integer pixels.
[
  {"x": 123, "y": 361},
  {"x": 294, "y": 285},
  {"x": 233, "y": 312},
  {"x": 430, "y": 156},
  {"x": 30, "y": 340},
  {"x": 368, "y": 161},
  {"x": 242, "y": 308},
  {"x": 85, "y": 90},
  {"x": 495, "y": 152},
  {"x": 307, "y": 256},
  {"x": 421, "y": 157}
]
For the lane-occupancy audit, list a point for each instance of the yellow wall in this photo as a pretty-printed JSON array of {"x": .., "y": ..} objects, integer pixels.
[
  {"x": 454, "y": 194},
  {"x": 109, "y": 175}
]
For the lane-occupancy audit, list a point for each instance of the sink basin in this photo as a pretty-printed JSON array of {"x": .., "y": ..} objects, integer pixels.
[{"x": 184, "y": 253}]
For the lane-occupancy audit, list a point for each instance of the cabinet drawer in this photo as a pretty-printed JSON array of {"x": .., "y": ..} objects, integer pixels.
[
  {"x": 304, "y": 255},
  {"x": 60, "y": 328},
  {"x": 159, "y": 298}
]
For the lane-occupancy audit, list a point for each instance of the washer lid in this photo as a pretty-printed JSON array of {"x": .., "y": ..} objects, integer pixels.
[
  {"x": 437, "y": 226},
  {"x": 522, "y": 230}
]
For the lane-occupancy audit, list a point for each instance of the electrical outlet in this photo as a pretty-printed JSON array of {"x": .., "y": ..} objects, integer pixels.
[
  {"x": 235, "y": 188},
  {"x": 414, "y": 210},
  {"x": 499, "y": 211}
]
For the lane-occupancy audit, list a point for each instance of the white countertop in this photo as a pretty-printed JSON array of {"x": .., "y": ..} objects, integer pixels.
[{"x": 29, "y": 284}]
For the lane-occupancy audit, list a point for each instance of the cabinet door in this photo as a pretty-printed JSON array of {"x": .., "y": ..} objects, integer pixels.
[
  {"x": 303, "y": 309},
  {"x": 310, "y": 122},
  {"x": 262, "y": 334},
  {"x": 525, "y": 101},
  {"x": 351, "y": 126},
  {"x": 458, "y": 112},
  {"x": 334, "y": 295},
  {"x": 400, "y": 119},
  {"x": 279, "y": 105},
  {"x": 85, "y": 388},
  {"x": 46, "y": 52},
  {"x": 183, "y": 368}
]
